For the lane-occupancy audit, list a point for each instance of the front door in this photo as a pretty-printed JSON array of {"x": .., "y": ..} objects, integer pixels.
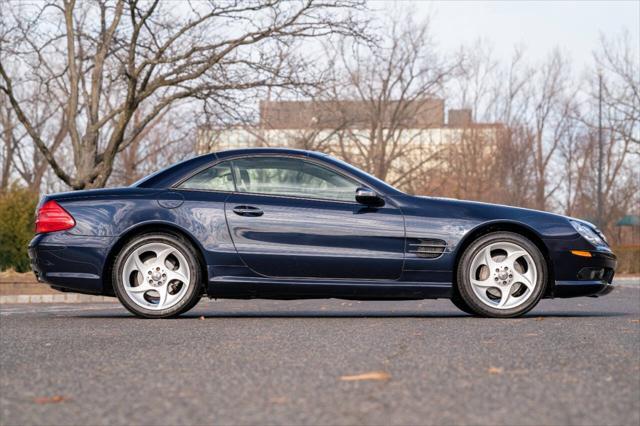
[{"x": 291, "y": 217}]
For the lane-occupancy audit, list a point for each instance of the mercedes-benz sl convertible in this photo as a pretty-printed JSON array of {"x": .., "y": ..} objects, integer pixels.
[{"x": 290, "y": 224}]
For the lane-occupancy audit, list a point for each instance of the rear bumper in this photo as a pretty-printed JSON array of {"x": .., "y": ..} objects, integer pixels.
[{"x": 66, "y": 267}]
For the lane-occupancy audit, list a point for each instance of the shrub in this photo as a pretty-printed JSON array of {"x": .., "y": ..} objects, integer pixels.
[{"x": 17, "y": 211}]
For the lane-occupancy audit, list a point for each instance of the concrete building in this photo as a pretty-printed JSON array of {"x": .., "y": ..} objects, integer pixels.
[{"x": 415, "y": 133}]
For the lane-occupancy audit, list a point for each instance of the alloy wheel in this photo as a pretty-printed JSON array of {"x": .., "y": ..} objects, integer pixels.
[
  {"x": 503, "y": 275},
  {"x": 156, "y": 276}
]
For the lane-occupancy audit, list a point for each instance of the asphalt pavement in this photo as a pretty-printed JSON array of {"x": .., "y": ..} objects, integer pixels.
[{"x": 569, "y": 362}]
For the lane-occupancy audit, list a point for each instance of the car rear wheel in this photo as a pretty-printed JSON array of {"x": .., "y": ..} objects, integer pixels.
[
  {"x": 157, "y": 276},
  {"x": 501, "y": 275}
]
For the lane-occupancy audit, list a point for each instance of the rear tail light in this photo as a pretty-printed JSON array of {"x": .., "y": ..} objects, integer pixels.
[{"x": 52, "y": 217}]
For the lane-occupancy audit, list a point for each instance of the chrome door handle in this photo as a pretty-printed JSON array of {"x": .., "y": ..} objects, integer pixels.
[{"x": 248, "y": 211}]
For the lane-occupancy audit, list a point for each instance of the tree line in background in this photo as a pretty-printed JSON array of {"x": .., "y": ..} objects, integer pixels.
[{"x": 99, "y": 93}]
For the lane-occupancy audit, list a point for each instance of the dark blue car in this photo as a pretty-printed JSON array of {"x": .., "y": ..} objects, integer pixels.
[{"x": 290, "y": 224}]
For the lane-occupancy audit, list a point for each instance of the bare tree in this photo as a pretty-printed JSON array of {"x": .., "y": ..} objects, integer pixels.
[
  {"x": 20, "y": 159},
  {"x": 492, "y": 161},
  {"x": 167, "y": 139},
  {"x": 551, "y": 122},
  {"x": 471, "y": 164},
  {"x": 9, "y": 142},
  {"x": 536, "y": 106},
  {"x": 386, "y": 91},
  {"x": 619, "y": 65},
  {"x": 576, "y": 154},
  {"x": 616, "y": 67},
  {"x": 121, "y": 56}
]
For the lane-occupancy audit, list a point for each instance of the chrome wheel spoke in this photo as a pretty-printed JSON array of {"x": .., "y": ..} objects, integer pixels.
[
  {"x": 483, "y": 283},
  {"x": 162, "y": 291},
  {"x": 486, "y": 257},
  {"x": 142, "y": 288},
  {"x": 167, "y": 299},
  {"x": 512, "y": 257},
  {"x": 162, "y": 257},
  {"x": 140, "y": 266},
  {"x": 138, "y": 263},
  {"x": 505, "y": 294},
  {"x": 523, "y": 279},
  {"x": 177, "y": 275}
]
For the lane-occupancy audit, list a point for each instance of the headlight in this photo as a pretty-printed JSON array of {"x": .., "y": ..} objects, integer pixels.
[{"x": 588, "y": 233}]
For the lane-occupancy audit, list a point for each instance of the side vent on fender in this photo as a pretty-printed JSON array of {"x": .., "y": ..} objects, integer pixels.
[{"x": 426, "y": 248}]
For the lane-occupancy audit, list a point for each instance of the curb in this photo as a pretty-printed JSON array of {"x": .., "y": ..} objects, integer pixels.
[
  {"x": 626, "y": 282},
  {"x": 54, "y": 298}
]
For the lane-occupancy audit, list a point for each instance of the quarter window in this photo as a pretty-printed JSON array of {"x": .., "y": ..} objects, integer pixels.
[
  {"x": 291, "y": 177},
  {"x": 215, "y": 178}
]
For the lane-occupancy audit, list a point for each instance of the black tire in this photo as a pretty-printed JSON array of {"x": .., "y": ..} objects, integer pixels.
[
  {"x": 464, "y": 290},
  {"x": 193, "y": 293},
  {"x": 460, "y": 304}
]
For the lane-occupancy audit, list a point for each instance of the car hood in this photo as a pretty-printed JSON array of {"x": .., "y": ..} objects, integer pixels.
[
  {"x": 483, "y": 205},
  {"x": 490, "y": 211}
]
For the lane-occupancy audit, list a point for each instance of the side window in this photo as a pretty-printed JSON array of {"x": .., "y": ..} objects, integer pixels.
[
  {"x": 291, "y": 177},
  {"x": 321, "y": 182},
  {"x": 215, "y": 178}
]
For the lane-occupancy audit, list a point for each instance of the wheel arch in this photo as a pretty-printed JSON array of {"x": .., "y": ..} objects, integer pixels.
[
  {"x": 145, "y": 228},
  {"x": 506, "y": 226}
]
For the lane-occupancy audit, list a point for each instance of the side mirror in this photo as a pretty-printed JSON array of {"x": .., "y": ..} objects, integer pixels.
[{"x": 368, "y": 197}]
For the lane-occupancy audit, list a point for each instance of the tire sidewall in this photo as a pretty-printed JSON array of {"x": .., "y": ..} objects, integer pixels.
[
  {"x": 193, "y": 292},
  {"x": 463, "y": 283}
]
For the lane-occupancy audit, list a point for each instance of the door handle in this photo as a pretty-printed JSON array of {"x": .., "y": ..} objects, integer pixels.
[{"x": 248, "y": 211}]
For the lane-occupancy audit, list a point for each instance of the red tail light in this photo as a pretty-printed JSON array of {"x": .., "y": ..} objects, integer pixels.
[{"x": 52, "y": 217}]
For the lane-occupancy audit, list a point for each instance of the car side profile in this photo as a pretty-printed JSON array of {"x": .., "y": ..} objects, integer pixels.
[{"x": 291, "y": 224}]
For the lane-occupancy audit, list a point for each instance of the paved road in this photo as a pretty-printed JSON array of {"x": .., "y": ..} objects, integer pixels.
[{"x": 267, "y": 362}]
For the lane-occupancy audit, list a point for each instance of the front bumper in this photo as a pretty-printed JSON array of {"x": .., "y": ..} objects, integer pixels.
[
  {"x": 584, "y": 276},
  {"x": 564, "y": 289}
]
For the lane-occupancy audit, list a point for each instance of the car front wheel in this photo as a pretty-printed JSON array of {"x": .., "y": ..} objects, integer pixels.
[
  {"x": 157, "y": 276},
  {"x": 501, "y": 275}
]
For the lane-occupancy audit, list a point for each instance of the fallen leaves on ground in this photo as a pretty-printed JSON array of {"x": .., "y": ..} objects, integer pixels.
[
  {"x": 372, "y": 375},
  {"x": 494, "y": 370},
  {"x": 55, "y": 399},
  {"x": 279, "y": 400}
]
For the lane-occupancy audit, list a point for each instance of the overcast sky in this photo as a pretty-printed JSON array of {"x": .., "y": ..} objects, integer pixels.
[{"x": 574, "y": 26}]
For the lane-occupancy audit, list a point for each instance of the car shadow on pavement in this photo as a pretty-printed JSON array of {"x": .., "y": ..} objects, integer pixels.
[{"x": 535, "y": 316}]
